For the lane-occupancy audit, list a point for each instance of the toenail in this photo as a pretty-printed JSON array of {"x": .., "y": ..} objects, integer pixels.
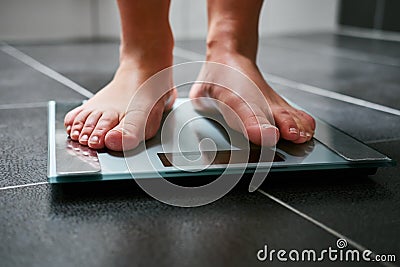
[
  {"x": 308, "y": 135},
  {"x": 84, "y": 137},
  {"x": 75, "y": 133},
  {"x": 293, "y": 131},
  {"x": 94, "y": 139},
  {"x": 267, "y": 126},
  {"x": 69, "y": 128},
  {"x": 302, "y": 134}
]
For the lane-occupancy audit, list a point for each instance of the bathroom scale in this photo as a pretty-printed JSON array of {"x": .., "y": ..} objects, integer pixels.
[{"x": 68, "y": 161}]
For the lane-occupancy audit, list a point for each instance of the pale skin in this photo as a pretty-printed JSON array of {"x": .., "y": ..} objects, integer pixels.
[{"x": 146, "y": 48}]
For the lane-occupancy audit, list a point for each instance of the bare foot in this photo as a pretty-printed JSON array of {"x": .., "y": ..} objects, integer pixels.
[
  {"x": 293, "y": 124},
  {"x": 102, "y": 120}
]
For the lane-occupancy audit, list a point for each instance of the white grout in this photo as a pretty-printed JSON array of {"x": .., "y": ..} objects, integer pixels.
[
  {"x": 22, "y": 185},
  {"x": 319, "y": 224},
  {"x": 340, "y": 52},
  {"x": 23, "y": 105},
  {"x": 183, "y": 53},
  {"x": 12, "y": 51},
  {"x": 330, "y": 94},
  {"x": 382, "y": 140}
]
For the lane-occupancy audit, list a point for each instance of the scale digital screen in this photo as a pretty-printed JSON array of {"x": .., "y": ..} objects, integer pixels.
[{"x": 219, "y": 157}]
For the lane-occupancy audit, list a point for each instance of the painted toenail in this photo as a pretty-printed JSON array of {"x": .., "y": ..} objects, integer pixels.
[
  {"x": 302, "y": 134},
  {"x": 94, "y": 139},
  {"x": 75, "y": 133},
  {"x": 268, "y": 126},
  {"x": 84, "y": 137},
  {"x": 293, "y": 131}
]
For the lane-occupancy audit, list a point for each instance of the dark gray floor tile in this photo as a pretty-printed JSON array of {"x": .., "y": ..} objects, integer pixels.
[
  {"x": 20, "y": 83},
  {"x": 116, "y": 224},
  {"x": 346, "y": 50},
  {"x": 364, "y": 208},
  {"x": 341, "y": 42},
  {"x": 23, "y": 149},
  {"x": 368, "y": 81},
  {"x": 92, "y": 65}
]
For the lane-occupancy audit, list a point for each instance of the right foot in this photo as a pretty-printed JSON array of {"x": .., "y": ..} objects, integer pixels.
[{"x": 102, "y": 120}]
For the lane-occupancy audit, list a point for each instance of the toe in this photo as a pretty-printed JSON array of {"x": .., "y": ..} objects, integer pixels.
[
  {"x": 126, "y": 135},
  {"x": 70, "y": 117},
  {"x": 260, "y": 131},
  {"x": 105, "y": 123},
  {"x": 303, "y": 132},
  {"x": 253, "y": 121},
  {"x": 303, "y": 137},
  {"x": 294, "y": 125},
  {"x": 89, "y": 126},
  {"x": 136, "y": 126},
  {"x": 308, "y": 123},
  {"x": 78, "y": 124},
  {"x": 288, "y": 127}
]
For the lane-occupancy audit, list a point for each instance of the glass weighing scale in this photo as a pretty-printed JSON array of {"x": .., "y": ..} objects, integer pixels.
[{"x": 68, "y": 161}]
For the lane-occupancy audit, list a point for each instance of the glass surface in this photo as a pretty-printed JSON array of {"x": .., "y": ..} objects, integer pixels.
[
  {"x": 219, "y": 157},
  {"x": 71, "y": 162}
]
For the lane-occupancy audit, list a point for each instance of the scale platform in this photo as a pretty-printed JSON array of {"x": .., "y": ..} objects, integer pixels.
[{"x": 68, "y": 161}]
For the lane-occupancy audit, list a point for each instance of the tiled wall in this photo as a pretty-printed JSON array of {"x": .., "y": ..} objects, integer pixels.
[{"x": 60, "y": 19}]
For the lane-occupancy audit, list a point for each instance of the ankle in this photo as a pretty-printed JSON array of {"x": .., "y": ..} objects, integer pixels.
[
  {"x": 227, "y": 38},
  {"x": 147, "y": 60},
  {"x": 154, "y": 48},
  {"x": 229, "y": 57}
]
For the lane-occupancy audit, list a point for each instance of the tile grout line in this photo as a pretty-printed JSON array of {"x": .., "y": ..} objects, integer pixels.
[
  {"x": 344, "y": 53},
  {"x": 30, "y": 61},
  {"x": 382, "y": 140},
  {"x": 320, "y": 225},
  {"x": 23, "y": 105},
  {"x": 183, "y": 53},
  {"x": 22, "y": 185}
]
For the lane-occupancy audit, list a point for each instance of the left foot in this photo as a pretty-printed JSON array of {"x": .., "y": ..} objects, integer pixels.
[{"x": 294, "y": 125}]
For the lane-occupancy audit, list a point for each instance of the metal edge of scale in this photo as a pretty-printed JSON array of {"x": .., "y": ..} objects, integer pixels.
[{"x": 63, "y": 163}]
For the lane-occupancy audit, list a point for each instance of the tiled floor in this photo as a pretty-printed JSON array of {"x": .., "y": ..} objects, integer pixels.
[{"x": 116, "y": 223}]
